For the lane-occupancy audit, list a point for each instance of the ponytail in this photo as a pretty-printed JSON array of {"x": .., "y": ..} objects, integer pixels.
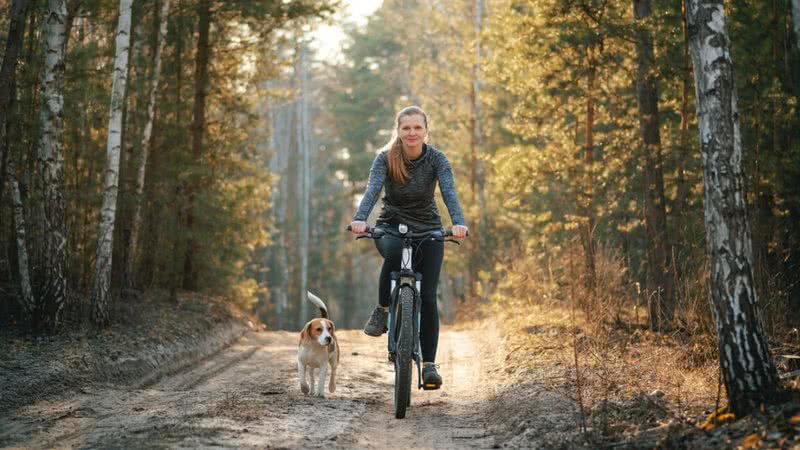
[{"x": 397, "y": 160}]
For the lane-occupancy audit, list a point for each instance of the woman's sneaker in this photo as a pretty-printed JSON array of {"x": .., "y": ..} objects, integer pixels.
[
  {"x": 376, "y": 325},
  {"x": 431, "y": 380}
]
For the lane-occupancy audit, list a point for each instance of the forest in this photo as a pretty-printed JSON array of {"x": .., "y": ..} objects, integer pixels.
[{"x": 634, "y": 164}]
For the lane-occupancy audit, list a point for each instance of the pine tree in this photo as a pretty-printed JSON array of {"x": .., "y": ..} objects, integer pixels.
[
  {"x": 658, "y": 278},
  {"x": 201, "y": 63}
]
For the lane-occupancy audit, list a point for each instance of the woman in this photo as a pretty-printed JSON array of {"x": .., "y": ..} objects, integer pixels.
[{"x": 409, "y": 168}]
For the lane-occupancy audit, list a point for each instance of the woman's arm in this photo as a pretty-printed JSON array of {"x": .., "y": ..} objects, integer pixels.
[
  {"x": 447, "y": 186},
  {"x": 377, "y": 176}
]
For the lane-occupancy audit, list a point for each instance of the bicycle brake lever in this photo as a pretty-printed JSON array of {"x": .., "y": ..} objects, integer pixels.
[{"x": 453, "y": 241}]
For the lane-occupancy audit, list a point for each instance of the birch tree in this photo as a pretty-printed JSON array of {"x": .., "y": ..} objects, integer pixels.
[
  {"x": 50, "y": 156},
  {"x": 657, "y": 276},
  {"x": 148, "y": 131},
  {"x": 105, "y": 236},
  {"x": 26, "y": 300},
  {"x": 19, "y": 10},
  {"x": 747, "y": 369}
]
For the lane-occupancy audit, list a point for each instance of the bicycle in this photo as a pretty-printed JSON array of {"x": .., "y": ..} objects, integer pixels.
[{"x": 405, "y": 312}]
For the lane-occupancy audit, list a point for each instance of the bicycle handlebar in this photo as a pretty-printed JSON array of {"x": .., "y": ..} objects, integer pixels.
[{"x": 372, "y": 232}]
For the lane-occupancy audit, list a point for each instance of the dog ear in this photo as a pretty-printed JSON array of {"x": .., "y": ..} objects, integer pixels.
[
  {"x": 330, "y": 325},
  {"x": 308, "y": 329},
  {"x": 306, "y": 332}
]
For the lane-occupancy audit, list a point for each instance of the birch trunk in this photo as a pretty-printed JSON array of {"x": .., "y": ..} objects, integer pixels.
[
  {"x": 101, "y": 284},
  {"x": 747, "y": 369},
  {"x": 50, "y": 156},
  {"x": 163, "y": 18},
  {"x": 658, "y": 283},
  {"x": 27, "y": 300}
]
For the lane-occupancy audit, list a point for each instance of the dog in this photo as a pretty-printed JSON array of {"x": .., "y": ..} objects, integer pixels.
[{"x": 318, "y": 348}]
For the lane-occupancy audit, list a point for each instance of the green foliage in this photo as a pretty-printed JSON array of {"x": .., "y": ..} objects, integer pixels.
[
  {"x": 543, "y": 54},
  {"x": 232, "y": 195}
]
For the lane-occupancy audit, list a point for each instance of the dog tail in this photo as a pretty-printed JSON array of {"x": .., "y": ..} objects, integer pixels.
[{"x": 320, "y": 304}]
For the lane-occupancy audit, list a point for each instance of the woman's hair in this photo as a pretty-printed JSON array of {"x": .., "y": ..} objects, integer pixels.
[{"x": 396, "y": 157}]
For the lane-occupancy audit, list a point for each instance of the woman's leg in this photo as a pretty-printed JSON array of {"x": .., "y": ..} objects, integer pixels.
[
  {"x": 392, "y": 252},
  {"x": 428, "y": 261}
]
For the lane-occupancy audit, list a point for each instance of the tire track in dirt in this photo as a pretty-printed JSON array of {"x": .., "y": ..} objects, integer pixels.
[
  {"x": 443, "y": 419},
  {"x": 248, "y": 396}
]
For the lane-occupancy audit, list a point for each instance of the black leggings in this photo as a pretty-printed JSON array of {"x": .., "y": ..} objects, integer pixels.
[{"x": 428, "y": 257}]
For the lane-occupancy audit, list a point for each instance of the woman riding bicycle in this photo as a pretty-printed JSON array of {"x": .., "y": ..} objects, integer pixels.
[{"x": 413, "y": 168}]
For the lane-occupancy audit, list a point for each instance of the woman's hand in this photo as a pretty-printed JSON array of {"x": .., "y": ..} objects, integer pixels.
[
  {"x": 358, "y": 227},
  {"x": 460, "y": 231}
]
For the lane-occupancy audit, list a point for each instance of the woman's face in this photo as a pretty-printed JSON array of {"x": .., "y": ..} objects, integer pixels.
[{"x": 412, "y": 130}]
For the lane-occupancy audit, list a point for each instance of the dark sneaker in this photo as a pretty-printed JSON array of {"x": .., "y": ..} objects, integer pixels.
[
  {"x": 431, "y": 379},
  {"x": 376, "y": 325}
]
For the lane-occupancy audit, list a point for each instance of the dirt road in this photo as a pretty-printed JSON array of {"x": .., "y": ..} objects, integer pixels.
[{"x": 248, "y": 396}]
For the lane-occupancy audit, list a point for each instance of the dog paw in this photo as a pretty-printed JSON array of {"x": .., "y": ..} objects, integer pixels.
[
  {"x": 319, "y": 394},
  {"x": 332, "y": 387},
  {"x": 304, "y": 387}
]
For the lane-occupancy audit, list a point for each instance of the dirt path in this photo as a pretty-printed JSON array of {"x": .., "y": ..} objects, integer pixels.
[{"x": 248, "y": 396}]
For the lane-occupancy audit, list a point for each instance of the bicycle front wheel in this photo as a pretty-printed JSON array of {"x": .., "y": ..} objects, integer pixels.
[{"x": 405, "y": 346}]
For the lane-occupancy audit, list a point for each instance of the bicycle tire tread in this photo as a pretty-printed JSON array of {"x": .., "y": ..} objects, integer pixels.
[{"x": 405, "y": 346}]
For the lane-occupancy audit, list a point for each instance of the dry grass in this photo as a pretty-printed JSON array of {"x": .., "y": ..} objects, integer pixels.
[
  {"x": 592, "y": 344},
  {"x": 615, "y": 365},
  {"x": 589, "y": 342}
]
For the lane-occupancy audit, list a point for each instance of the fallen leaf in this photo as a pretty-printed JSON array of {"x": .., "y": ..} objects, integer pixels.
[{"x": 751, "y": 441}]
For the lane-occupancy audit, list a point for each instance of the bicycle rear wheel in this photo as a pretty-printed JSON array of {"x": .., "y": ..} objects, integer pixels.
[{"x": 405, "y": 345}]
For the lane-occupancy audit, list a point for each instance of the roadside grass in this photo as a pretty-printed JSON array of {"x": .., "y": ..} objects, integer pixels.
[{"x": 628, "y": 387}]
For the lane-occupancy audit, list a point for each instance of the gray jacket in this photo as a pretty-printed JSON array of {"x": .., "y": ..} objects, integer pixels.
[{"x": 412, "y": 203}]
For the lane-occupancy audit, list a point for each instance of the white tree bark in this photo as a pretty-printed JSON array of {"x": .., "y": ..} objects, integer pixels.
[
  {"x": 105, "y": 237},
  {"x": 27, "y": 300},
  {"x": 51, "y": 166},
  {"x": 163, "y": 18},
  {"x": 747, "y": 368}
]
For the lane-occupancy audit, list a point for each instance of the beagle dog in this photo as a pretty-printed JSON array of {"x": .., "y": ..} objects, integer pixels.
[{"x": 318, "y": 348}]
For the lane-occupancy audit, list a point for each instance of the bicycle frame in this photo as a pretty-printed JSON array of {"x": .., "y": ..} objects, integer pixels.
[{"x": 406, "y": 278}]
